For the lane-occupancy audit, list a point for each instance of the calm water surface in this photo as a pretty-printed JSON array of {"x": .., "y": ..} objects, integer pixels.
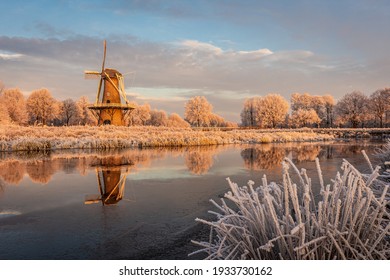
[{"x": 136, "y": 204}]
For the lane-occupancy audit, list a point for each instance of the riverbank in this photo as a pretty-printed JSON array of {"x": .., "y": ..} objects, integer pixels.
[
  {"x": 19, "y": 138},
  {"x": 35, "y": 138}
]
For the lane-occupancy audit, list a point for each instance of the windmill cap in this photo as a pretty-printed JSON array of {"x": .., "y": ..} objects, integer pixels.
[{"x": 112, "y": 72}]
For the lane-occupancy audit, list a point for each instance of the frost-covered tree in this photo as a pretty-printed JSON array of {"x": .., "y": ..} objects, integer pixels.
[
  {"x": 15, "y": 103},
  {"x": 303, "y": 117},
  {"x": 198, "y": 111},
  {"x": 140, "y": 115},
  {"x": 352, "y": 109},
  {"x": 85, "y": 115},
  {"x": 318, "y": 105},
  {"x": 231, "y": 124},
  {"x": 69, "y": 112},
  {"x": 42, "y": 107},
  {"x": 174, "y": 120},
  {"x": 380, "y": 104},
  {"x": 322, "y": 105},
  {"x": 301, "y": 101},
  {"x": 267, "y": 111},
  {"x": 217, "y": 121},
  {"x": 4, "y": 117},
  {"x": 273, "y": 110},
  {"x": 158, "y": 118}
]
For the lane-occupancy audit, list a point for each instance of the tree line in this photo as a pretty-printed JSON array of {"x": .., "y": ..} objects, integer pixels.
[
  {"x": 304, "y": 110},
  {"x": 41, "y": 108},
  {"x": 271, "y": 111}
]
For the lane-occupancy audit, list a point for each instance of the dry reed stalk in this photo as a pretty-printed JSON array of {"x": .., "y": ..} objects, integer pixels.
[{"x": 283, "y": 222}]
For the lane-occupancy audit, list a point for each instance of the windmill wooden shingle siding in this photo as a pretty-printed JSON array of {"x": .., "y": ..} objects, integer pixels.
[{"x": 111, "y": 105}]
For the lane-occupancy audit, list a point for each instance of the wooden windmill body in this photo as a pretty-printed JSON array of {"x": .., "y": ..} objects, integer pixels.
[{"x": 111, "y": 105}]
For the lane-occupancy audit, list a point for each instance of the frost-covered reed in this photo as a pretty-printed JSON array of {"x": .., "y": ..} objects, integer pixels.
[
  {"x": 284, "y": 222},
  {"x": 384, "y": 154},
  {"x": 19, "y": 138}
]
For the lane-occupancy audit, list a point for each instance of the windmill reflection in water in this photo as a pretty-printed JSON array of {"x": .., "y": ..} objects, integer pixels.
[{"x": 111, "y": 175}]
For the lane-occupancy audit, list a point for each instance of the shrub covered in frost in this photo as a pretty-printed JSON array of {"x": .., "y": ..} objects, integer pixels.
[{"x": 284, "y": 222}]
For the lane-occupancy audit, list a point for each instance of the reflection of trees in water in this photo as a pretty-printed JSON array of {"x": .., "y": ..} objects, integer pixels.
[
  {"x": 41, "y": 167},
  {"x": 198, "y": 162},
  {"x": 327, "y": 152},
  {"x": 267, "y": 156},
  {"x": 41, "y": 171},
  {"x": 69, "y": 166},
  {"x": 2, "y": 187},
  {"x": 199, "y": 159},
  {"x": 12, "y": 171},
  {"x": 263, "y": 157},
  {"x": 306, "y": 152},
  {"x": 82, "y": 166},
  {"x": 349, "y": 149}
]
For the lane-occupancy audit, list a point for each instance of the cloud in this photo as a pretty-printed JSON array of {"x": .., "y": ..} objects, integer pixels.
[
  {"x": 193, "y": 47},
  {"x": 167, "y": 74},
  {"x": 201, "y": 46},
  {"x": 10, "y": 56},
  {"x": 260, "y": 52}
]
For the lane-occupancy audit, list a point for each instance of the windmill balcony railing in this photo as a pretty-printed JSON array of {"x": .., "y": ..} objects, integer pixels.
[{"x": 100, "y": 105}]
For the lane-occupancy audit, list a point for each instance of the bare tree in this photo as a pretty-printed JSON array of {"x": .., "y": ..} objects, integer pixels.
[
  {"x": 69, "y": 111},
  {"x": 250, "y": 114},
  {"x": 329, "y": 108},
  {"x": 15, "y": 103},
  {"x": 41, "y": 106},
  {"x": 352, "y": 108},
  {"x": 198, "y": 111},
  {"x": 380, "y": 104}
]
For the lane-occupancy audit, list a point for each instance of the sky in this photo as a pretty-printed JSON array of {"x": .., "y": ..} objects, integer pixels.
[{"x": 173, "y": 50}]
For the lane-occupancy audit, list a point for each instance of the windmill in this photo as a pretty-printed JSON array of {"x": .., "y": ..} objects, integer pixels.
[{"x": 111, "y": 105}]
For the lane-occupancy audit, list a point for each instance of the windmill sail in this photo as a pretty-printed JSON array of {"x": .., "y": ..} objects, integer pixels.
[{"x": 92, "y": 75}]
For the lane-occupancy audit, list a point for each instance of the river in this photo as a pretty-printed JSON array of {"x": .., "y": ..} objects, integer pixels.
[{"x": 140, "y": 203}]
